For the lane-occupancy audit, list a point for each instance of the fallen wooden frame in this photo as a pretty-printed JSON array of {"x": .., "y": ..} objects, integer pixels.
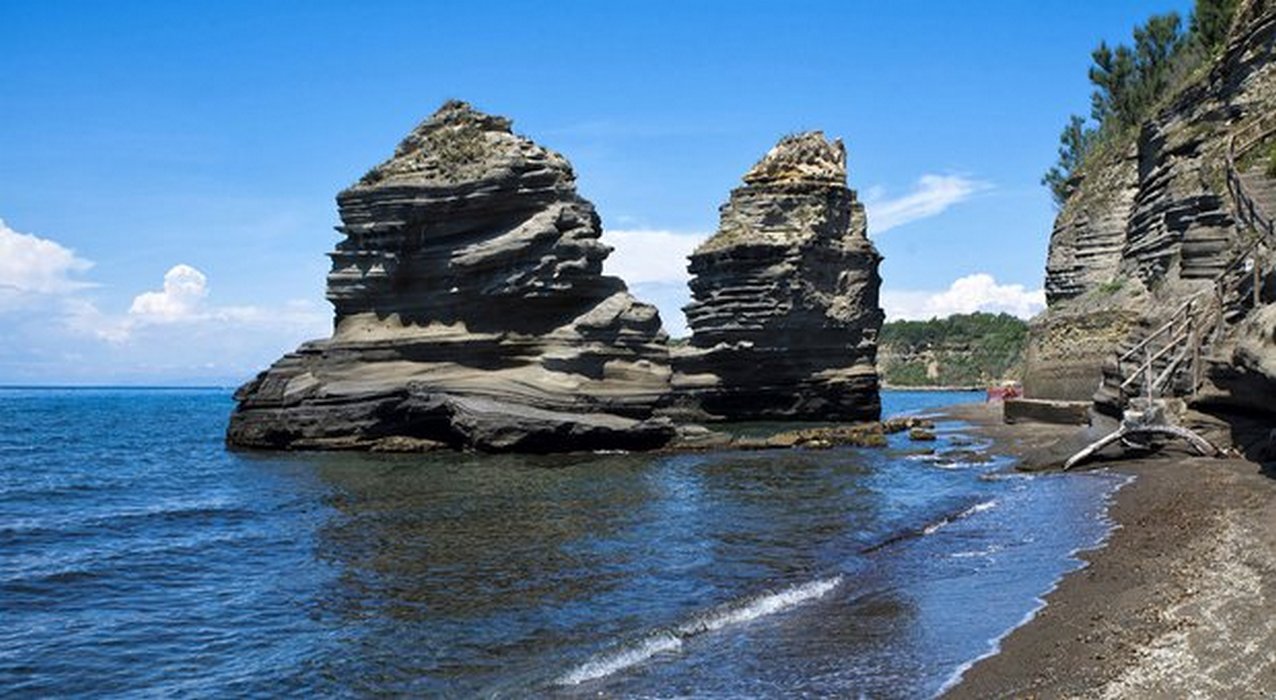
[{"x": 1198, "y": 443}]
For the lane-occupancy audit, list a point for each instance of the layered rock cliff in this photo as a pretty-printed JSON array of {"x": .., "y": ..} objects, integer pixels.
[
  {"x": 471, "y": 312},
  {"x": 784, "y": 313},
  {"x": 1153, "y": 222}
]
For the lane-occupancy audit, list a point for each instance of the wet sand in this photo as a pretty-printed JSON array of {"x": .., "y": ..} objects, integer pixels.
[{"x": 1181, "y": 602}]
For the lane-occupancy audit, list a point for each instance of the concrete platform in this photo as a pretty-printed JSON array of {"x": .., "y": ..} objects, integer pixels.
[{"x": 1047, "y": 411}]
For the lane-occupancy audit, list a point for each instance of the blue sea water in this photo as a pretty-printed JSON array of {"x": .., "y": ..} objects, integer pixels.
[{"x": 139, "y": 557}]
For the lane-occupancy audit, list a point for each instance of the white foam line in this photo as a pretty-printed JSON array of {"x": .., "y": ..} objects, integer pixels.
[
  {"x": 669, "y": 642},
  {"x": 608, "y": 664},
  {"x": 977, "y": 508},
  {"x": 760, "y": 606}
]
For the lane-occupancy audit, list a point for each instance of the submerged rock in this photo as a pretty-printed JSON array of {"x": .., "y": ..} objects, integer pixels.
[
  {"x": 471, "y": 312},
  {"x": 784, "y": 312},
  {"x": 920, "y": 434}
]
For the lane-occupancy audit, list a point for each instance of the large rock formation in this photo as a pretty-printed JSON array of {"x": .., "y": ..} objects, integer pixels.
[
  {"x": 784, "y": 312},
  {"x": 1153, "y": 223},
  {"x": 471, "y": 311}
]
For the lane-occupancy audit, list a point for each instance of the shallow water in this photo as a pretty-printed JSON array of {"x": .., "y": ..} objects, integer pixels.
[{"x": 138, "y": 556}]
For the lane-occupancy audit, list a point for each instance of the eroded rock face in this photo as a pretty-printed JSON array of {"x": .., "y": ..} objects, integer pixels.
[
  {"x": 1090, "y": 233},
  {"x": 471, "y": 311},
  {"x": 1154, "y": 224},
  {"x": 784, "y": 312}
]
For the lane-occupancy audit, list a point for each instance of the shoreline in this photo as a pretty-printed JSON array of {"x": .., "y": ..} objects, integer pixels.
[{"x": 1179, "y": 600}]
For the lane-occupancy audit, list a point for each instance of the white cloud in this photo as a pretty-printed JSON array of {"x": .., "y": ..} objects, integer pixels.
[
  {"x": 644, "y": 257},
  {"x": 182, "y": 302},
  {"x": 932, "y": 195},
  {"x": 33, "y": 265},
  {"x": 977, "y": 292},
  {"x": 58, "y": 327},
  {"x": 184, "y": 291}
]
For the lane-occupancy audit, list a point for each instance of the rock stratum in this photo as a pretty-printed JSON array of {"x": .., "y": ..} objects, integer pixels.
[
  {"x": 1154, "y": 223},
  {"x": 470, "y": 312},
  {"x": 784, "y": 313}
]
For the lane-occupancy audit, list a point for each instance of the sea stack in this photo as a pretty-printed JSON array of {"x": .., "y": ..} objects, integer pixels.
[
  {"x": 471, "y": 312},
  {"x": 784, "y": 313}
]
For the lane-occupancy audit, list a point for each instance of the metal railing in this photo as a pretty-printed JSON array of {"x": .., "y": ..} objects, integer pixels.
[{"x": 1239, "y": 144}]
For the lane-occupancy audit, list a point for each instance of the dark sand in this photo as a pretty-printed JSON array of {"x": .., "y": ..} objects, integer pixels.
[{"x": 1180, "y": 603}]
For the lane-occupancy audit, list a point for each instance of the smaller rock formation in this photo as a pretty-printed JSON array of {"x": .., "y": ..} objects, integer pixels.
[
  {"x": 784, "y": 312},
  {"x": 471, "y": 312}
]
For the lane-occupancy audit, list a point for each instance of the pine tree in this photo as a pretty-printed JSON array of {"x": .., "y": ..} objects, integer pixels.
[
  {"x": 1074, "y": 144},
  {"x": 1130, "y": 81},
  {"x": 1211, "y": 20}
]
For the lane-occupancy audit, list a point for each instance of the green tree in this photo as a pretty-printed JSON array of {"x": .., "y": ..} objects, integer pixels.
[
  {"x": 1074, "y": 144},
  {"x": 1113, "y": 75},
  {"x": 1130, "y": 81},
  {"x": 969, "y": 349},
  {"x": 1156, "y": 45},
  {"x": 1211, "y": 20}
]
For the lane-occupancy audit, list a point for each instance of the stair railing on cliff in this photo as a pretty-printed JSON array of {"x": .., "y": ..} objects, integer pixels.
[
  {"x": 1193, "y": 326},
  {"x": 1247, "y": 211},
  {"x": 1239, "y": 145},
  {"x": 1190, "y": 328}
]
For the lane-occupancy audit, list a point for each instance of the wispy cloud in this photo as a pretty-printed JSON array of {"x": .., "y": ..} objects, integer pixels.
[
  {"x": 977, "y": 292},
  {"x": 931, "y": 196}
]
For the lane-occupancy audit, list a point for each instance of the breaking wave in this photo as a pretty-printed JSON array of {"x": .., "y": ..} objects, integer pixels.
[
  {"x": 669, "y": 641},
  {"x": 945, "y": 522}
]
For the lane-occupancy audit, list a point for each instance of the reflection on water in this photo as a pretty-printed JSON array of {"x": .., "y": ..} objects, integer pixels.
[{"x": 759, "y": 574}]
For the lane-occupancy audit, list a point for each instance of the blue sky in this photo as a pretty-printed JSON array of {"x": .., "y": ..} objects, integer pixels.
[{"x": 206, "y": 142}]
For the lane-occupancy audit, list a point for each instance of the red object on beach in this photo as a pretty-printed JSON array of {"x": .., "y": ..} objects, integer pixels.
[{"x": 1007, "y": 390}]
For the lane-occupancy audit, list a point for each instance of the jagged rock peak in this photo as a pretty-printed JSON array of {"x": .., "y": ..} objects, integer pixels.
[
  {"x": 784, "y": 312},
  {"x": 471, "y": 311},
  {"x": 459, "y": 143},
  {"x": 804, "y": 157}
]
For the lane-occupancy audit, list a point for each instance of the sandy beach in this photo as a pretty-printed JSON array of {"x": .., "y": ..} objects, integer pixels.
[{"x": 1179, "y": 603}]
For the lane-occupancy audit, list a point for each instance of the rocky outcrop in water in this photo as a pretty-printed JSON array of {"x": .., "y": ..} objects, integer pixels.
[
  {"x": 1152, "y": 224},
  {"x": 784, "y": 313},
  {"x": 471, "y": 312}
]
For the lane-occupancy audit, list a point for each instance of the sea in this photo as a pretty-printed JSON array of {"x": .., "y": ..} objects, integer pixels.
[{"x": 140, "y": 557}]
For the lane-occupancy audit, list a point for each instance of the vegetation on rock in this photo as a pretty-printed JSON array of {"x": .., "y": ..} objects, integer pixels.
[
  {"x": 961, "y": 350},
  {"x": 1112, "y": 286},
  {"x": 1131, "y": 81}
]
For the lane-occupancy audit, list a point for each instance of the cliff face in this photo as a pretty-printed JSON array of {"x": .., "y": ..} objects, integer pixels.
[
  {"x": 471, "y": 311},
  {"x": 1155, "y": 223},
  {"x": 784, "y": 312}
]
